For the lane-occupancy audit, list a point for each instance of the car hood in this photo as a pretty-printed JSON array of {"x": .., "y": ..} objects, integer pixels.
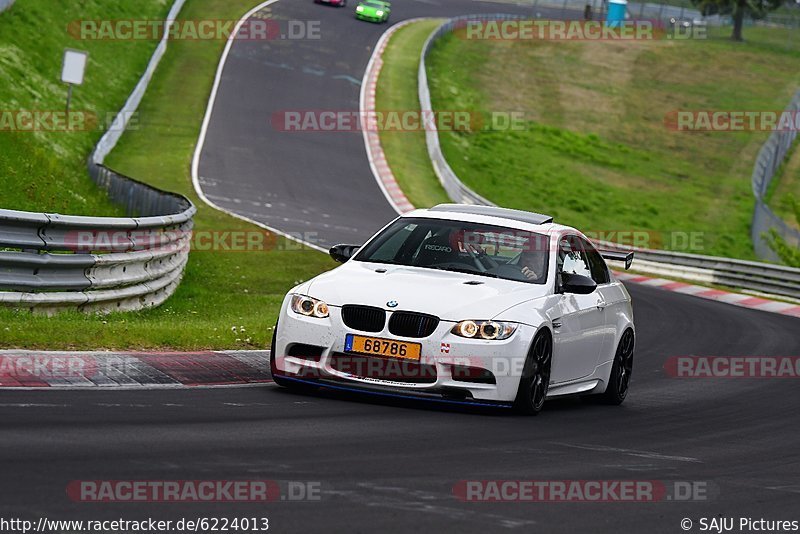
[{"x": 441, "y": 293}]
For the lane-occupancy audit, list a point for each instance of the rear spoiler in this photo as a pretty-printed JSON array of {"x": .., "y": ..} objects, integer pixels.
[{"x": 618, "y": 255}]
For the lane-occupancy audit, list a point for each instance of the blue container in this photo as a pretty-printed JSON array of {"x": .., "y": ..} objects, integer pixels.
[{"x": 616, "y": 12}]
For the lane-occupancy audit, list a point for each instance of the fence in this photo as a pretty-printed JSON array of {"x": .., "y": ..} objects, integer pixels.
[
  {"x": 746, "y": 275},
  {"x": 51, "y": 262},
  {"x": 770, "y": 157}
]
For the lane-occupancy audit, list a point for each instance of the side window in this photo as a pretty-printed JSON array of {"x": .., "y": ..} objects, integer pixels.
[
  {"x": 596, "y": 263},
  {"x": 573, "y": 257}
]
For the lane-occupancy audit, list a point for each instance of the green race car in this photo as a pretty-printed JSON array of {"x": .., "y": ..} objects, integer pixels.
[{"x": 373, "y": 10}]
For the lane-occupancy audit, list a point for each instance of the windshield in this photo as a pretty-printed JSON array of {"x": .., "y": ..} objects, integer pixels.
[
  {"x": 457, "y": 246},
  {"x": 373, "y": 5}
]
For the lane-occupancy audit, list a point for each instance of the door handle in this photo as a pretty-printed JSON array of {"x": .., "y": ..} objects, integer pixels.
[{"x": 601, "y": 305}]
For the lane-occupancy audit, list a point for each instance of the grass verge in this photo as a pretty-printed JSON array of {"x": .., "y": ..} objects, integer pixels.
[
  {"x": 227, "y": 299},
  {"x": 593, "y": 149},
  {"x": 595, "y": 134},
  {"x": 784, "y": 192},
  {"x": 44, "y": 169},
  {"x": 406, "y": 151}
]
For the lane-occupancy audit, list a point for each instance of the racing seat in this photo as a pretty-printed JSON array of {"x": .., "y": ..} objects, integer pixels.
[{"x": 436, "y": 249}]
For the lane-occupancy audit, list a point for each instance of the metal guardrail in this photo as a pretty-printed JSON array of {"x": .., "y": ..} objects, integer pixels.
[
  {"x": 51, "y": 262},
  {"x": 770, "y": 157},
  {"x": 454, "y": 187},
  {"x": 747, "y": 275},
  {"x": 739, "y": 274}
]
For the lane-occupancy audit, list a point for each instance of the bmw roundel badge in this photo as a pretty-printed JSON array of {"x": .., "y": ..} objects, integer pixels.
[{"x": 392, "y": 303}]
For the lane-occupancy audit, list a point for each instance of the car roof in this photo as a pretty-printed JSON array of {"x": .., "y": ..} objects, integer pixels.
[
  {"x": 494, "y": 211},
  {"x": 518, "y": 219}
]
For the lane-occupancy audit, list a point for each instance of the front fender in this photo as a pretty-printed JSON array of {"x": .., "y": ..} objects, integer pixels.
[{"x": 535, "y": 312}]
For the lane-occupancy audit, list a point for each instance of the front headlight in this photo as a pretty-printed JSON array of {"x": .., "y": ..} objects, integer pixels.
[
  {"x": 484, "y": 329},
  {"x": 379, "y": 13},
  {"x": 360, "y": 9},
  {"x": 308, "y": 306}
]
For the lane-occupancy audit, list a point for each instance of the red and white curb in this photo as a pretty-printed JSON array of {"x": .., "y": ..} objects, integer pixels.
[
  {"x": 49, "y": 369},
  {"x": 377, "y": 159},
  {"x": 737, "y": 299}
]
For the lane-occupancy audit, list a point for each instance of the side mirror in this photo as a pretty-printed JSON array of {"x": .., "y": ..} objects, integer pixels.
[
  {"x": 342, "y": 253},
  {"x": 577, "y": 283}
]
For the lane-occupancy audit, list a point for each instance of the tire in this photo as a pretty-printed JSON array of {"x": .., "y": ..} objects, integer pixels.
[
  {"x": 535, "y": 379},
  {"x": 620, "y": 378}
]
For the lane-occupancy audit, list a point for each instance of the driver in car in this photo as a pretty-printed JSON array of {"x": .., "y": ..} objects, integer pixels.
[
  {"x": 531, "y": 262},
  {"x": 530, "y": 265}
]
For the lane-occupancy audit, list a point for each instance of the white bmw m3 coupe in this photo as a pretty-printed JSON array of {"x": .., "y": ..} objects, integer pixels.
[{"x": 466, "y": 304}]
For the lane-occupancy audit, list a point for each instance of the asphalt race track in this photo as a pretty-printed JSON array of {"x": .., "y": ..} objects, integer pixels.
[
  {"x": 386, "y": 465},
  {"x": 317, "y": 185}
]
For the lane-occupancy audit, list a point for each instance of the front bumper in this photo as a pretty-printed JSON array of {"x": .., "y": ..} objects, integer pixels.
[
  {"x": 370, "y": 18},
  {"x": 440, "y": 370},
  {"x": 389, "y": 393}
]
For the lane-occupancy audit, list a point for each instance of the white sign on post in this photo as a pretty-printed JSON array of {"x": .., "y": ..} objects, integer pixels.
[{"x": 74, "y": 66}]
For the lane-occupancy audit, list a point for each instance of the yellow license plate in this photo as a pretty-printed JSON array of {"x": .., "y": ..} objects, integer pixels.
[{"x": 387, "y": 348}]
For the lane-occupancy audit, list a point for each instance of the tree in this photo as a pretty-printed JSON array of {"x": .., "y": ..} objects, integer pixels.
[{"x": 757, "y": 9}]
